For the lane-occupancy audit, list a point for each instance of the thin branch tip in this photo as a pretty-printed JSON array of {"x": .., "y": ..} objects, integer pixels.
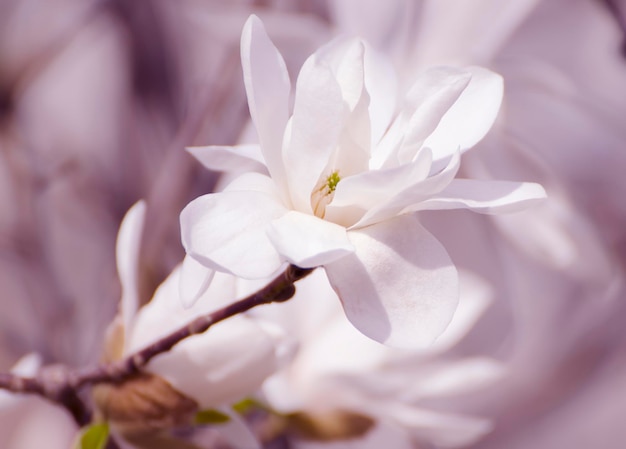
[{"x": 61, "y": 385}]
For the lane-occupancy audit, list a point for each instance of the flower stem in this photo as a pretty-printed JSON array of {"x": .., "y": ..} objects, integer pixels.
[{"x": 61, "y": 385}]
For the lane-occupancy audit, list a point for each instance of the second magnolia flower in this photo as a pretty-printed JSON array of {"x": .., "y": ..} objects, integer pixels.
[{"x": 338, "y": 181}]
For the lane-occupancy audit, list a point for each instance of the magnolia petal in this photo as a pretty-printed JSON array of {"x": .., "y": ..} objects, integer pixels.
[
  {"x": 214, "y": 368},
  {"x": 227, "y": 232},
  {"x": 28, "y": 365},
  {"x": 353, "y": 149},
  {"x": 268, "y": 88},
  {"x": 487, "y": 197},
  {"x": 431, "y": 96},
  {"x": 127, "y": 257},
  {"x": 384, "y": 154},
  {"x": 410, "y": 198},
  {"x": 318, "y": 118},
  {"x": 345, "y": 58},
  {"x": 230, "y": 159},
  {"x": 252, "y": 181},
  {"x": 382, "y": 87},
  {"x": 195, "y": 279},
  {"x": 165, "y": 314},
  {"x": 307, "y": 241},
  {"x": 400, "y": 286},
  {"x": 357, "y": 194},
  {"x": 350, "y": 73},
  {"x": 221, "y": 366},
  {"x": 471, "y": 117}
]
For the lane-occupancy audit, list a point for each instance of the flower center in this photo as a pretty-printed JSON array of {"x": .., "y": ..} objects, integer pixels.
[
  {"x": 331, "y": 182},
  {"x": 324, "y": 193}
]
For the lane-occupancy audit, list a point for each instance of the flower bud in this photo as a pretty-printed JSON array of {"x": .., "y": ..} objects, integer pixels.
[{"x": 142, "y": 404}]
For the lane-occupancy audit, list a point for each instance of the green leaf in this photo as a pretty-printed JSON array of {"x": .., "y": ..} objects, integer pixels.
[
  {"x": 94, "y": 436},
  {"x": 248, "y": 405},
  {"x": 211, "y": 416}
]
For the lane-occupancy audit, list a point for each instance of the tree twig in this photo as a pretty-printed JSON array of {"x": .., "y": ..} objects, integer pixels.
[
  {"x": 60, "y": 384},
  {"x": 18, "y": 384},
  {"x": 280, "y": 289}
]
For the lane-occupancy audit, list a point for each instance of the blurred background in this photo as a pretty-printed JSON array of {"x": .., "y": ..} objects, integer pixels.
[{"x": 98, "y": 100}]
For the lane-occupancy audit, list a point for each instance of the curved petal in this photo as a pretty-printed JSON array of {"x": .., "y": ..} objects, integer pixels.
[
  {"x": 195, "y": 279},
  {"x": 471, "y": 117},
  {"x": 382, "y": 87},
  {"x": 221, "y": 366},
  {"x": 357, "y": 194},
  {"x": 318, "y": 119},
  {"x": 350, "y": 73},
  {"x": 411, "y": 198},
  {"x": 252, "y": 181},
  {"x": 308, "y": 241},
  {"x": 227, "y": 232},
  {"x": 216, "y": 367},
  {"x": 165, "y": 314},
  {"x": 400, "y": 286},
  {"x": 487, "y": 197},
  {"x": 346, "y": 59},
  {"x": 127, "y": 257},
  {"x": 431, "y": 96},
  {"x": 237, "y": 158},
  {"x": 353, "y": 149},
  {"x": 268, "y": 89}
]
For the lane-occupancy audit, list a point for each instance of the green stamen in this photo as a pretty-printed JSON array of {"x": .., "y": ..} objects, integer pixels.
[
  {"x": 324, "y": 193},
  {"x": 332, "y": 181}
]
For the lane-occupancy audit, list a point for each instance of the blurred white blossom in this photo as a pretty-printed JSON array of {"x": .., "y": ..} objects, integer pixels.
[
  {"x": 338, "y": 372},
  {"x": 214, "y": 369},
  {"x": 98, "y": 100}
]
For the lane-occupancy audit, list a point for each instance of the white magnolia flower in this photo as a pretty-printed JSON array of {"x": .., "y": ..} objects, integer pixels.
[
  {"x": 338, "y": 182},
  {"x": 214, "y": 369},
  {"x": 338, "y": 370}
]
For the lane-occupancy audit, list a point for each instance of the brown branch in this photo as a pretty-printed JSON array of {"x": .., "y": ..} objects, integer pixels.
[
  {"x": 51, "y": 383},
  {"x": 280, "y": 289},
  {"x": 17, "y": 384},
  {"x": 60, "y": 384}
]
